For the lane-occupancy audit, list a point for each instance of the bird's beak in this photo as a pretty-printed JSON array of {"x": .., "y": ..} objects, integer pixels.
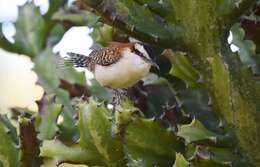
[{"x": 155, "y": 65}]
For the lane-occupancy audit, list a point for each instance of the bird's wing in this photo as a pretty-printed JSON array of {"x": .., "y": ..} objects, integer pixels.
[{"x": 105, "y": 56}]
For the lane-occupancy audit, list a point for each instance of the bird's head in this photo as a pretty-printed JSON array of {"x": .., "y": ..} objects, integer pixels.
[{"x": 145, "y": 51}]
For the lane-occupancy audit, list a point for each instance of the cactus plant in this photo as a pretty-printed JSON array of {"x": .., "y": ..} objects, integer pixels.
[{"x": 201, "y": 108}]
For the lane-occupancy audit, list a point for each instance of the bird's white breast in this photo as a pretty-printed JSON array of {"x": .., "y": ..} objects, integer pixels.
[{"x": 124, "y": 73}]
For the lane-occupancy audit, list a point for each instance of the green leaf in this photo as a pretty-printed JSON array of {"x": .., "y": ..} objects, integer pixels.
[
  {"x": 148, "y": 142},
  {"x": 183, "y": 69},
  {"x": 252, "y": 17},
  {"x": 54, "y": 6},
  {"x": 196, "y": 102},
  {"x": 56, "y": 34},
  {"x": 30, "y": 30},
  {"x": 49, "y": 73},
  {"x": 136, "y": 15},
  {"x": 5, "y": 44},
  {"x": 12, "y": 132},
  {"x": 45, "y": 67},
  {"x": 98, "y": 91},
  {"x": 125, "y": 115},
  {"x": 98, "y": 135},
  {"x": 102, "y": 34},
  {"x": 180, "y": 161},
  {"x": 72, "y": 76},
  {"x": 195, "y": 131},
  {"x": 247, "y": 48},
  {"x": 61, "y": 152},
  {"x": 213, "y": 156},
  {"x": 68, "y": 130},
  {"x": 8, "y": 150},
  {"x": 225, "y": 7},
  {"x": 48, "y": 126}
]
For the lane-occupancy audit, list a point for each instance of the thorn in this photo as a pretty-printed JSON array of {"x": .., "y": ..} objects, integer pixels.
[
  {"x": 75, "y": 117},
  {"x": 180, "y": 104},
  {"x": 23, "y": 114},
  {"x": 168, "y": 107},
  {"x": 55, "y": 138},
  {"x": 249, "y": 67},
  {"x": 186, "y": 85},
  {"x": 210, "y": 155},
  {"x": 104, "y": 10},
  {"x": 163, "y": 115},
  {"x": 237, "y": 3},
  {"x": 165, "y": 106},
  {"x": 193, "y": 117},
  {"x": 221, "y": 124},
  {"x": 210, "y": 101},
  {"x": 200, "y": 80},
  {"x": 7, "y": 131},
  {"x": 58, "y": 163},
  {"x": 236, "y": 152},
  {"x": 32, "y": 119},
  {"x": 179, "y": 138},
  {"x": 92, "y": 10},
  {"x": 156, "y": 38},
  {"x": 132, "y": 28},
  {"x": 176, "y": 93},
  {"x": 171, "y": 129},
  {"x": 188, "y": 115},
  {"x": 114, "y": 18},
  {"x": 210, "y": 59},
  {"x": 164, "y": 21},
  {"x": 18, "y": 146}
]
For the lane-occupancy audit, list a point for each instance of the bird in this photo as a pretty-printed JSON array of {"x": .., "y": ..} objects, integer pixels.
[{"x": 117, "y": 66}]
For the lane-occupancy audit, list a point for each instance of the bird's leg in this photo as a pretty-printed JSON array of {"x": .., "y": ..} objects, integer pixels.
[
  {"x": 84, "y": 96},
  {"x": 118, "y": 95},
  {"x": 170, "y": 114}
]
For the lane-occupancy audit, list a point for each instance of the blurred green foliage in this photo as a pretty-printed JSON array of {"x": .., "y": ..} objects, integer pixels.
[{"x": 200, "y": 110}]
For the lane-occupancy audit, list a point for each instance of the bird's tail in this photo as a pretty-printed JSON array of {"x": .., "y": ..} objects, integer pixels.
[
  {"x": 78, "y": 60},
  {"x": 74, "y": 59}
]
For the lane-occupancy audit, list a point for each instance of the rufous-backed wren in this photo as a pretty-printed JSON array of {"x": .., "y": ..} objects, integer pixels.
[{"x": 118, "y": 66}]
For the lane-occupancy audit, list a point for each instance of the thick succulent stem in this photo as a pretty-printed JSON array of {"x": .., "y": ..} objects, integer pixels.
[
  {"x": 198, "y": 27},
  {"x": 231, "y": 86},
  {"x": 29, "y": 143}
]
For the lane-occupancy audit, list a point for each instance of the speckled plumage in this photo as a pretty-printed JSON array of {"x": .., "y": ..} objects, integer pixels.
[
  {"x": 105, "y": 56},
  {"x": 119, "y": 65},
  {"x": 102, "y": 56}
]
